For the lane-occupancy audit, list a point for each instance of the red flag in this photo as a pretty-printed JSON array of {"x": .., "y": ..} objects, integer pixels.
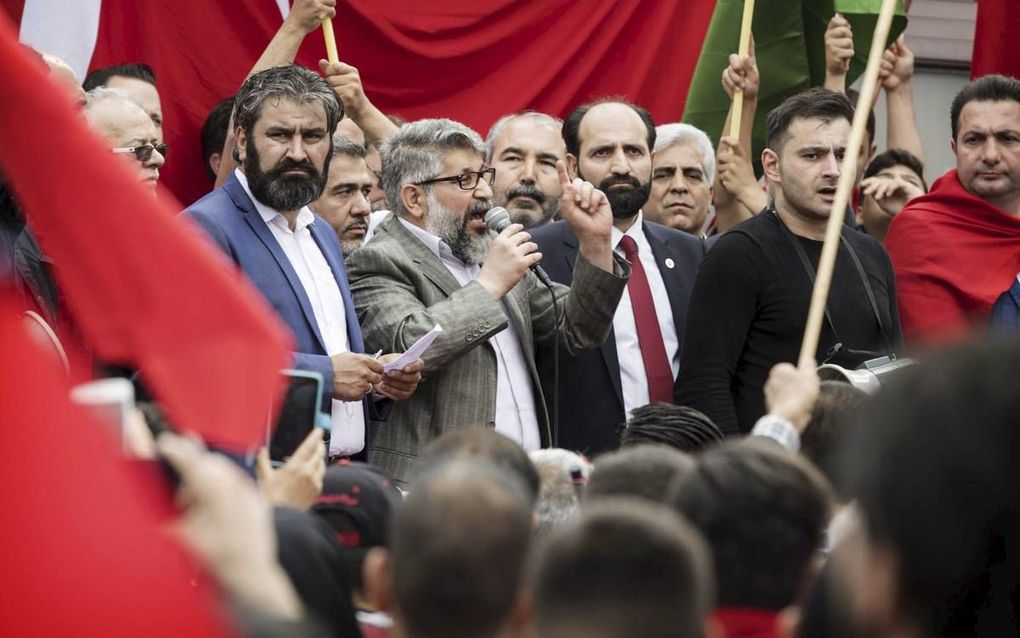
[
  {"x": 144, "y": 287},
  {"x": 995, "y": 51},
  {"x": 82, "y": 549}
]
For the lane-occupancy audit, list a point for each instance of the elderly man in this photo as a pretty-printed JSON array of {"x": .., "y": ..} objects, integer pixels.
[
  {"x": 344, "y": 203},
  {"x": 523, "y": 148},
  {"x": 435, "y": 263},
  {"x": 683, "y": 173},
  {"x": 125, "y": 126},
  {"x": 284, "y": 119},
  {"x": 958, "y": 248}
]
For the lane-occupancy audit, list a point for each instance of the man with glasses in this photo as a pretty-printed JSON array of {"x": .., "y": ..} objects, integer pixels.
[
  {"x": 436, "y": 263},
  {"x": 284, "y": 119},
  {"x": 129, "y": 131}
]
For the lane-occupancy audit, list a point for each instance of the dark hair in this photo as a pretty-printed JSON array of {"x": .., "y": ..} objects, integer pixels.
[
  {"x": 347, "y": 147},
  {"x": 572, "y": 123},
  {"x": 214, "y": 131},
  {"x": 896, "y": 157},
  {"x": 854, "y": 96},
  {"x": 824, "y": 436},
  {"x": 933, "y": 468},
  {"x": 458, "y": 550},
  {"x": 485, "y": 445},
  {"x": 813, "y": 103},
  {"x": 990, "y": 88},
  {"x": 623, "y": 568},
  {"x": 642, "y": 471},
  {"x": 100, "y": 77},
  {"x": 763, "y": 511},
  {"x": 677, "y": 426}
]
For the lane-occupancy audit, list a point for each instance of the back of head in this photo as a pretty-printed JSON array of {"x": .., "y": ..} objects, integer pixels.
[
  {"x": 623, "y": 569},
  {"x": 483, "y": 445},
  {"x": 458, "y": 549},
  {"x": 137, "y": 70},
  {"x": 763, "y": 511},
  {"x": 990, "y": 88},
  {"x": 642, "y": 471},
  {"x": 562, "y": 475},
  {"x": 933, "y": 467},
  {"x": 677, "y": 426},
  {"x": 817, "y": 103},
  {"x": 826, "y": 433}
]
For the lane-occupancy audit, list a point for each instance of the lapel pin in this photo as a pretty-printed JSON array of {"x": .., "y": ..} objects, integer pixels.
[{"x": 669, "y": 262}]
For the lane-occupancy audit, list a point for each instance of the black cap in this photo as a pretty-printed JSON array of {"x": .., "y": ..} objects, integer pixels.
[{"x": 357, "y": 501}]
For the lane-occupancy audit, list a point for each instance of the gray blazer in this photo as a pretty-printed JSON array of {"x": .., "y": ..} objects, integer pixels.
[{"x": 401, "y": 290}]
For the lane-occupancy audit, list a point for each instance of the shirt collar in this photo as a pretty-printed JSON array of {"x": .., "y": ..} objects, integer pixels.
[
  {"x": 305, "y": 217},
  {"x": 635, "y": 231},
  {"x": 437, "y": 246}
]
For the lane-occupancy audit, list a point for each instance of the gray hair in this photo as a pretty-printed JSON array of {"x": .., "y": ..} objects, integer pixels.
[
  {"x": 102, "y": 94},
  {"x": 414, "y": 153},
  {"x": 290, "y": 82},
  {"x": 558, "y": 500},
  {"x": 497, "y": 128},
  {"x": 343, "y": 145},
  {"x": 669, "y": 135}
]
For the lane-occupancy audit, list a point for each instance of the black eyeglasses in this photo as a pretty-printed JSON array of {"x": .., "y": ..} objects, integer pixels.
[
  {"x": 143, "y": 153},
  {"x": 466, "y": 181}
]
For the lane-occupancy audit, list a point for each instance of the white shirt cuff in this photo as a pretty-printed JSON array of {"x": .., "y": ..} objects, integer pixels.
[{"x": 779, "y": 430}]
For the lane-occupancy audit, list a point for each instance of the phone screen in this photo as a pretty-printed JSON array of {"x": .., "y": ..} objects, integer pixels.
[{"x": 297, "y": 416}]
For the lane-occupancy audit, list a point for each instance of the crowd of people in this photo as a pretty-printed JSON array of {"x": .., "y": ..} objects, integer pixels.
[{"x": 606, "y": 437}]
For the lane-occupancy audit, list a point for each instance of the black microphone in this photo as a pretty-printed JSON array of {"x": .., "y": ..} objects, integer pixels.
[{"x": 497, "y": 219}]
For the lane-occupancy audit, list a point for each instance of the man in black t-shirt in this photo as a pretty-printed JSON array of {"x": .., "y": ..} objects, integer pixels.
[{"x": 750, "y": 300}]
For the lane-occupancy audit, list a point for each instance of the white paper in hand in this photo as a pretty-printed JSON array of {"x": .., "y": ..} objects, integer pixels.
[{"x": 416, "y": 350}]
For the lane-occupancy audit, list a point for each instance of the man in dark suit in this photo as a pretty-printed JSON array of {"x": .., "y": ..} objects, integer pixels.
[
  {"x": 284, "y": 120},
  {"x": 609, "y": 144}
]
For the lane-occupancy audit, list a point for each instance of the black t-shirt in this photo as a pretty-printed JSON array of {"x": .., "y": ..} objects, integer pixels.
[{"x": 749, "y": 306}]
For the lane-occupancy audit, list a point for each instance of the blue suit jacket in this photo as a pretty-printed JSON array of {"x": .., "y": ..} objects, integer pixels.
[{"x": 229, "y": 217}]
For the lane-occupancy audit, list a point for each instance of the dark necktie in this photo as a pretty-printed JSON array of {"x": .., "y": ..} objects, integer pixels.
[{"x": 653, "y": 352}]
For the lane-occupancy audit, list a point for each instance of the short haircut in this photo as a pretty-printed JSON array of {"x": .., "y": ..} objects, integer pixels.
[
  {"x": 102, "y": 94},
  {"x": 677, "y": 426},
  {"x": 990, "y": 88},
  {"x": 641, "y": 471},
  {"x": 291, "y": 82},
  {"x": 933, "y": 468},
  {"x": 833, "y": 415},
  {"x": 214, "y": 131},
  {"x": 670, "y": 135},
  {"x": 623, "y": 569},
  {"x": 497, "y": 128},
  {"x": 414, "y": 153},
  {"x": 572, "y": 125},
  {"x": 869, "y": 125},
  {"x": 814, "y": 103},
  {"x": 763, "y": 510},
  {"x": 458, "y": 550},
  {"x": 896, "y": 157},
  {"x": 137, "y": 70},
  {"x": 343, "y": 145},
  {"x": 484, "y": 445},
  {"x": 562, "y": 475}
]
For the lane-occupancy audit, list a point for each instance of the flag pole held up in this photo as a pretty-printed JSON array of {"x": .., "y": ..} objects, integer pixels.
[
  {"x": 743, "y": 47},
  {"x": 827, "y": 261},
  {"x": 327, "y": 34}
]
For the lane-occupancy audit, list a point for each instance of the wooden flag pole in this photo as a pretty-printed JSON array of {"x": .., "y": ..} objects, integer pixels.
[
  {"x": 848, "y": 171},
  {"x": 742, "y": 48},
  {"x": 327, "y": 33}
]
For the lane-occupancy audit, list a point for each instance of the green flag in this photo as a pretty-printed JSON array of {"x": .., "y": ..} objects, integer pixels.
[{"x": 789, "y": 40}]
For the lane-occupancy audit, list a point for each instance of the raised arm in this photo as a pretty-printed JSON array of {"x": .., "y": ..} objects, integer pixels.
[
  {"x": 899, "y": 90},
  {"x": 736, "y": 193}
]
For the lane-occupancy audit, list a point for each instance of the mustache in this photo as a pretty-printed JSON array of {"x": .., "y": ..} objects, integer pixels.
[
  {"x": 526, "y": 190},
  {"x": 287, "y": 164},
  {"x": 478, "y": 207},
  {"x": 613, "y": 180}
]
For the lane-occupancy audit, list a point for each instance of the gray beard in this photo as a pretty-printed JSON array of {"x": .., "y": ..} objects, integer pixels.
[{"x": 446, "y": 225}]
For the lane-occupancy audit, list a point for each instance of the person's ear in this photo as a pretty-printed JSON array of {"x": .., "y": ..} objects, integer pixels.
[
  {"x": 214, "y": 162},
  {"x": 415, "y": 203},
  {"x": 375, "y": 575},
  {"x": 770, "y": 166},
  {"x": 572, "y": 165},
  {"x": 241, "y": 143},
  {"x": 952, "y": 144}
]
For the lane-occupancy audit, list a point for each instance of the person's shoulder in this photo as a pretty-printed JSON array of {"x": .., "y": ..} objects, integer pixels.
[
  {"x": 387, "y": 246},
  {"x": 751, "y": 233},
  {"x": 552, "y": 232},
  {"x": 679, "y": 239},
  {"x": 214, "y": 205}
]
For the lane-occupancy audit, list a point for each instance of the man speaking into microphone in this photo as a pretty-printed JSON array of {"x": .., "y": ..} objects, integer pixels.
[{"x": 435, "y": 262}]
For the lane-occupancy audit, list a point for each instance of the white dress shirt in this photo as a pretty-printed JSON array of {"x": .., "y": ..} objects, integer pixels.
[
  {"x": 515, "y": 400},
  {"x": 633, "y": 380},
  {"x": 323, "y": 292}
]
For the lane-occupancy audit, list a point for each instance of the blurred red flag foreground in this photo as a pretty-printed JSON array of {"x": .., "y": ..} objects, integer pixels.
[
  {"x": 142, "y": 286},
  {"x": 82, "y": 549}
]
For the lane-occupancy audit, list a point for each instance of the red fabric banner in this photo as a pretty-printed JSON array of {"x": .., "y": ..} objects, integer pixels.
[
  {"x": 470, "y": 61},
  {"x": 995, "y": 51}
]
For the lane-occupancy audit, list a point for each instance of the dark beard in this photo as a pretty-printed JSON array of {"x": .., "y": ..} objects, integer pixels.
[
  {"x": 281, "y": 193},
  {"x": 624, "y": 204}
]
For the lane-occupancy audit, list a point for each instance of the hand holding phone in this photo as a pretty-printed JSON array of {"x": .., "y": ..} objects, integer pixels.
[{"x": 298, "y": 482}]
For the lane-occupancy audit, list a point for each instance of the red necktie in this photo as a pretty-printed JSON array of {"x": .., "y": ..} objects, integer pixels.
[{"x": 653, "y": 352}]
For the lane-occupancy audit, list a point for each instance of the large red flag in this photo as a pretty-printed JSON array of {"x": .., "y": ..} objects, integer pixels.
[
  {"x": 83, "y": 550},
  {"x": 470, "y": 61},
  {"x": 144, "y": 288},
  {"x": 995, "y": 50}
]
